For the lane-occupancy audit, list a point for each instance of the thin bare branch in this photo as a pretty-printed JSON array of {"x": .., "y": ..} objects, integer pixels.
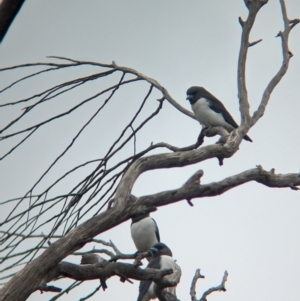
[
  {"x": 254, "y": 43},
  {"x": 66, "y": 291},
  {"x": 253, "y": 8},
  {"x": 193, "y": 285},
  {"x": 286, "y": 55},
  {"x": 218, "y": 288}
]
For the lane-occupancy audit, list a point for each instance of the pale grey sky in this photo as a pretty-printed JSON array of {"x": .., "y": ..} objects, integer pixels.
[{"x": 251, "y": 231}]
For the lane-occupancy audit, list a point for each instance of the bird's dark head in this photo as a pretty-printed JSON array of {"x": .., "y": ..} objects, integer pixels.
[
  {"x": 159, "y": 249},
  {"x": 138, "y": 217},
  {"x": 194, "y": 93}
]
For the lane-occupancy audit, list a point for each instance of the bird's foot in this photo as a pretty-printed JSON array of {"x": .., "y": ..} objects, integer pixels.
[{"x": 201, "y": 136}]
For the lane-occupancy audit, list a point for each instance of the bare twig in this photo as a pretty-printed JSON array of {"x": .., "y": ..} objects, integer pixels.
[
  {"x": 193, "y": 285},
  {"x": 254, "y": 43},
  {"x": 218, "y": 288}
]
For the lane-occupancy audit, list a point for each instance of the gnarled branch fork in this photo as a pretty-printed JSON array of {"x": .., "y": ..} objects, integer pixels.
[{"x": 218, "y": 288}]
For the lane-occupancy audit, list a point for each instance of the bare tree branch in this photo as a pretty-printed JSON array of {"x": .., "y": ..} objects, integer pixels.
[
  {"x": 157, "y": 85},
  {"x": 253, "y": 7},
  {"x": 113, "y": 67},
  {"x": 286, "y": 55},
  {"x": 105, "y": 269},
  {"x": 192, "y": 189},
  {"x": 218, "y": 288},
  {"x": 197, "y": 276},
  {"x": 193, "y": 285}
]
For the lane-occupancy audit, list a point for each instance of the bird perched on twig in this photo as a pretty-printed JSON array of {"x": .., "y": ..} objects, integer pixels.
[
  {"x": 210, "y": 111},
  {"x": 161, "y": 259},
  {"x": 144, "y": 232}
]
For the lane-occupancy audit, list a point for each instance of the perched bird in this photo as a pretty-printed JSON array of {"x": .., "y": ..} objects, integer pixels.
[
  {"x": 210, "y": 111},
  {"x": 144, "y": 232},
  {"x": 161, "y": 259}
]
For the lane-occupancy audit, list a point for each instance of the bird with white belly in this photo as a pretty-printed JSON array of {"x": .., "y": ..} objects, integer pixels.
[{"x": 210, "y": 111}]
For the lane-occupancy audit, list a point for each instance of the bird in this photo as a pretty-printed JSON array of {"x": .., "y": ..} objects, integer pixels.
[
  {"x": 161, "y": 259},
  {"x": 144, "y": 232},
  {"x": 210, "y": 111}
]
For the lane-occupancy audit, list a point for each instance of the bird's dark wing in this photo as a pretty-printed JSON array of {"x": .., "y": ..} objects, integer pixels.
[
  {"x": 144, "y": 285},
  {"x": 216, "y": 105},
  {"x": 156, "y": 231}
]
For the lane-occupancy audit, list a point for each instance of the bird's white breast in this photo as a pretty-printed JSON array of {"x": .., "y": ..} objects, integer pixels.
[
  {"x": 167, "y": 262},
  {"x": 143, "y": 234},
  {"x": 207, "y": 117}
]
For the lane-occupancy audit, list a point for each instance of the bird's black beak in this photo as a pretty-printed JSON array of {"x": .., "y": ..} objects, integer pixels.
[
  {"x": 189, "y": 96},
  {"x": 153, "y": 250}
]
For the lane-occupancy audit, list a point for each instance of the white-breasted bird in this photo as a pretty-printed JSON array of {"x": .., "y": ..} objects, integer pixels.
[
  {"x": 210, "y": 111},
  {"x": 144, "y": 232},
  {"x": 161, "y": 259}
]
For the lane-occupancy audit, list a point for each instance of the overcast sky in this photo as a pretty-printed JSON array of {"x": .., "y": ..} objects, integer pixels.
[{"x": 251, "y": 231}]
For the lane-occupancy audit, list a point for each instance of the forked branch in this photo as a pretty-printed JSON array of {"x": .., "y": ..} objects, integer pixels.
[
  {"x": 253, "y": 7},
  {"x": 218, "y": 288},
  {"x": 286, "y": 55}
]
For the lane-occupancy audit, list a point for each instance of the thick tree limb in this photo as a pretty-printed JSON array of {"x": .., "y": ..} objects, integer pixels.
[
  {"x": 171, "y": 160},
  {"x": 105, "y": 269},
  {"x": 8, "y": 11},
  {"x": 192, "y": 189},
  {"x": 95, "y": 267}
]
